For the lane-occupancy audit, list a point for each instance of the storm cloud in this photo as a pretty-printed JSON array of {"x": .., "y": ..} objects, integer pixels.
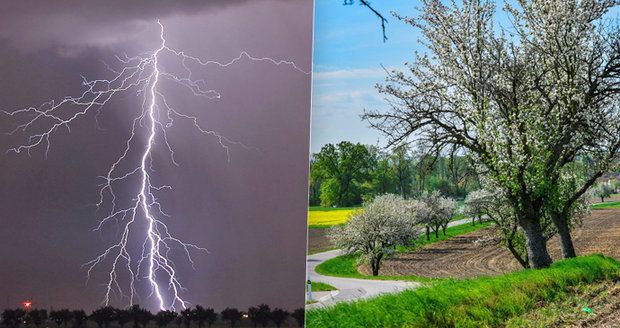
[{"x": 249, "y": 211}]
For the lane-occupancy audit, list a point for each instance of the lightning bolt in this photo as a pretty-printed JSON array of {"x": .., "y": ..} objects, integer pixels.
[{"x": 144, "y": 74}]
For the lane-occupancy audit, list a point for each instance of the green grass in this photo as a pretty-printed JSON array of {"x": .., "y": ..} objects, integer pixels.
[
  {"x": 567, "y": 310},
  {"x": 480, "y": 302},
  {"x": 346, "y": 265},
  {"x": 459, "y": 216},
  {"x": 606, "y": 205},
  {"x": 321, "y": 287}
]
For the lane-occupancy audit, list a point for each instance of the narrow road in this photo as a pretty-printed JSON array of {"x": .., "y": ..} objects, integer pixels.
[
  {"x": 352, "y": 288},
  {"x": 348, "y": 288}
]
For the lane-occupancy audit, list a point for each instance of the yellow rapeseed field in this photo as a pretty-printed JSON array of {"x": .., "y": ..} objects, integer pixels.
[{"x": 318, "y": 218}]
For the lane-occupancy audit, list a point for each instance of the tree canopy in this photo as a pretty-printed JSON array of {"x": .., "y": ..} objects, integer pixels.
[{"x": 525, "y": 101}]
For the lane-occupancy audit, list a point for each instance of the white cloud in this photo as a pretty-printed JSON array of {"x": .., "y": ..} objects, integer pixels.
[
  {"x": 347, "y": 97},
  {"x": 357, "y": 73}
]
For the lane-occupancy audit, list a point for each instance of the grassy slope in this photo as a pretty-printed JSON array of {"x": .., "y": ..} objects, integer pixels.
[
  {"x": 603, "y": 298},
  {"x": 346, "y": 265},
  {"x": 606, "y": 205},
  {"x": 321, "y": 287},
  {"x": 480, "y": 302}
]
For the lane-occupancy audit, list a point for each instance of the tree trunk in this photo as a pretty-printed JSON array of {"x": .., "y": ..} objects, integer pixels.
[
  {"x": 523, "y": 261},
  {"x": 443, "y": 229},
  {"x": 536, "y": 244},
  {"x": 428, "y": 233},
  {"x": 374, "y": 266},
  {"x": 436, "y": 232},
  {"x": 566, "y": 242}
]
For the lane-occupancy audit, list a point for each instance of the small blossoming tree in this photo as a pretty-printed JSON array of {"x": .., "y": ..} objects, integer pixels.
[
  {"x": 376, "y": 230},
  {"x": 435, "y": 212}
]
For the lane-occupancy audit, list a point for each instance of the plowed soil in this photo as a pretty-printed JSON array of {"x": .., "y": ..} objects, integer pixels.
[
  {"x": 462, "y": 257},
  {"x": 318, "y": 241}
]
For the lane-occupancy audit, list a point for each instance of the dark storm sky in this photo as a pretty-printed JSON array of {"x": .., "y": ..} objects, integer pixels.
[{"x": 250, "y": 213}]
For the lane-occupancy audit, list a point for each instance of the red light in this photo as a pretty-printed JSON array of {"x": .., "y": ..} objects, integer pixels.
[{"x": 27, "y": 304}]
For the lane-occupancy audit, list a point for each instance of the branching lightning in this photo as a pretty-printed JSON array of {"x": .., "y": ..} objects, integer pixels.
[{"x": 143, "y": 74}]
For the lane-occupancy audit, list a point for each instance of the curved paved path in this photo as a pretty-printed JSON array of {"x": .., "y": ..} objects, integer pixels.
[
  {"x": 353, "y": 288},
  {"x": 348, "y": 288}
]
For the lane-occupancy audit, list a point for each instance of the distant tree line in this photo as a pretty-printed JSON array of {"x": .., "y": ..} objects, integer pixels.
[
  {"x": 347, "y": 174},
  {"x": 137, "y": 317}
]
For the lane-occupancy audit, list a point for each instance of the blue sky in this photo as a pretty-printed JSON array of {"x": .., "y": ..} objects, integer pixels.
[{"x": 348, "y": 54}]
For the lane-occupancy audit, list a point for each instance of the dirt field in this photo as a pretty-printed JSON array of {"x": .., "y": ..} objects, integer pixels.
[
  {"x": 608, "y": 309},
  {"x": 318, "y": 241},
  {"x": 460, "y": 257}
]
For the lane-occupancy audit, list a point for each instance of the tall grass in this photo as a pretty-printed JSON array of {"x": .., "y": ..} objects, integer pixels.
[
  {"x": 321, "y": 287},
  {"x": 479, "y": 302}
]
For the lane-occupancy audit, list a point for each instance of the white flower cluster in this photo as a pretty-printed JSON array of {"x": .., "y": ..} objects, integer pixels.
[{"x": 529, "y": 102}]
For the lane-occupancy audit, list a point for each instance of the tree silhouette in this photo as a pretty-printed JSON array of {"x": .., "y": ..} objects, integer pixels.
[
  {"x": 187, "y": 316},
  {"x": 37, "y": 317},
  {"x": 61, "y": 317},
  {"x": 264, "y": 314},
  {"x": 164, "y": 318},
  {"x": 253, "y": 315},
  {"x": 12, "y": 318},
  {"x": 210, "y": 316},
  {"x": 279, "y": 316},
  {"x": 231, "y": 314},
  {"x": 79, "y": 318},
  {"x": 103, "y": 316},
  {"x": 122, "y": 317},
  {"x": 299, "y": 315},
  {"x": 139, "y": 316},
  {"x": 202, "y": 316},
  {"x": 145, "y": 318},
  {"x": 178, "y": 320}
]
